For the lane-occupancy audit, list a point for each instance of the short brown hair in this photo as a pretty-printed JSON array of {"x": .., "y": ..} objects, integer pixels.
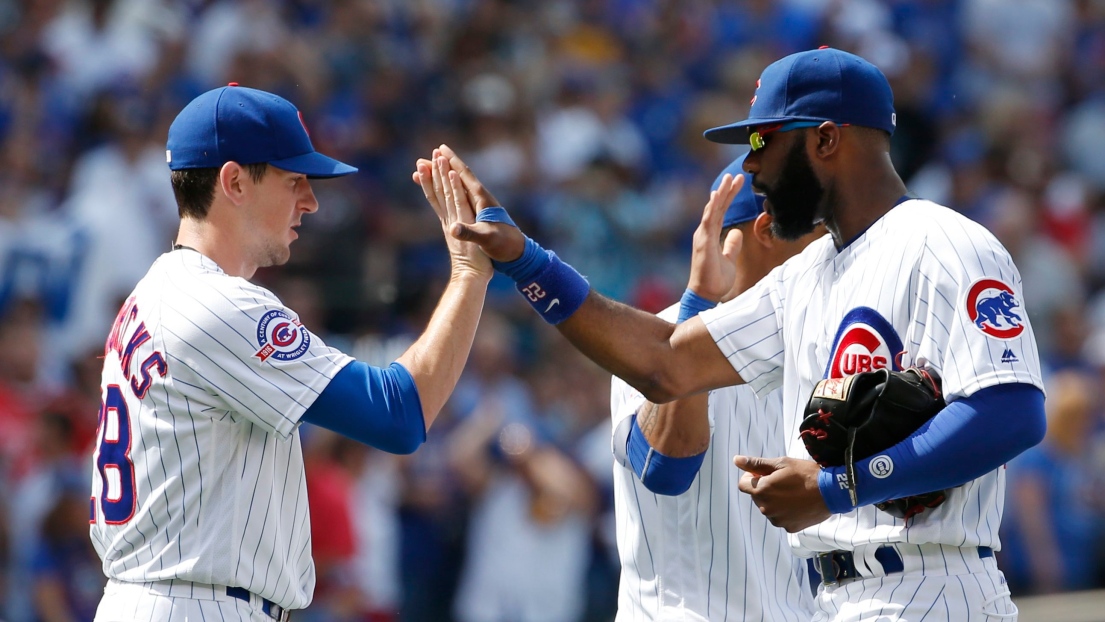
[{"x": 194, "y": 188}]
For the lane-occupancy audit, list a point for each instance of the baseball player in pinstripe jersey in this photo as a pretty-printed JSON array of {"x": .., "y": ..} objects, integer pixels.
[
  {"x": 199, "y": 503},
  {"x": 900, "y": 281},
  {"x": 692, "y": 547}
]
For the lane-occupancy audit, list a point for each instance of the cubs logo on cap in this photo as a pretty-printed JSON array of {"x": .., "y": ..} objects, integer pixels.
[
  {"x": 990, "y": 305},
  {"x": 281, "y": 337},
  {"x": 864, "y": 342}
]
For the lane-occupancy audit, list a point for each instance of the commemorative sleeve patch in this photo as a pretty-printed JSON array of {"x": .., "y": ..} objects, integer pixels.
[
  {"x": 281, "y": 337},
  {"x": 992, "y": 307}
]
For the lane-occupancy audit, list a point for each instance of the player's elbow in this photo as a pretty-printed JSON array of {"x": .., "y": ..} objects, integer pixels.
[
  {"x": 1035, "y": 419},
  {"x": 403, "y": 441},
  {"x": 660, "y": 387},
  {"x": 1027, "y": 429}
]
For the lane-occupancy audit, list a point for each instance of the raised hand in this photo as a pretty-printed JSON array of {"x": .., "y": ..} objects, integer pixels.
[
  {"x": 501, "y": 242},
  {"x": 713, "y": 264},
  {"x": 784, "y": 489},
  {"x": 445, "y": 193}
]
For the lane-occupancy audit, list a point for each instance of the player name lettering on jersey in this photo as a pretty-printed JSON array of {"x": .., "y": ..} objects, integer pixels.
[{"x": 121, "y": 333}]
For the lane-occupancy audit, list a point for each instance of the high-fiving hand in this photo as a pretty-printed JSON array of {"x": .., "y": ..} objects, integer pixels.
[
  {"x": 499, "y": 241},
  {"x": 714, "y": 264},
  {"x": 445, "y": 193}
]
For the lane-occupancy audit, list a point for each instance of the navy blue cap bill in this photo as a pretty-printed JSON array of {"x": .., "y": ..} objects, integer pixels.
[
  {"x": 818, "y": 85},
  {"x": 747, "y": 205},
  {"x": 247, "y": 126}
]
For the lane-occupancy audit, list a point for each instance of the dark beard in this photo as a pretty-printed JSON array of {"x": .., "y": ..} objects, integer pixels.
[{"x": 794, "y": 201}]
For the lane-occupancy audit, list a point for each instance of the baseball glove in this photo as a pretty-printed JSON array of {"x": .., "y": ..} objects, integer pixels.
[{"x": 852, "y": 418}]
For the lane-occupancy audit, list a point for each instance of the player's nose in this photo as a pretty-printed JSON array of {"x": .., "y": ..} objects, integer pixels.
[
  {"x": 307, "y": 200},
  {"x": 752, "y": 164}
]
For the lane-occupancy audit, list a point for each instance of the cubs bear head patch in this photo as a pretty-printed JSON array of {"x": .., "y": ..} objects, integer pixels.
[{"x": 994, "y": 309}]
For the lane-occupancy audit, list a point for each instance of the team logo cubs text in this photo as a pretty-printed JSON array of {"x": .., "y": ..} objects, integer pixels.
[
  {"x": 865, "y": 342},
  {"x": 281, "y": 337},
  {"x": 990, "y": 305}
]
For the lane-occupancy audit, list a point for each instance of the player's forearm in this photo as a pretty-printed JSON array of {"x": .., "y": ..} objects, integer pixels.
[
  {"x": 436, "y": 359},
  {"x": 964, "y": 441},
  {"x": 662, "y": 361},
  {"x": 552, "y": 475},
  {"x": 677, "y": 429}
]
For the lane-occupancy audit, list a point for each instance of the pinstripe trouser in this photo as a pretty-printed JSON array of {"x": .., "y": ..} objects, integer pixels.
[
  {"x": 174, "y": 601},
  {"x": 938, "y": 583}
]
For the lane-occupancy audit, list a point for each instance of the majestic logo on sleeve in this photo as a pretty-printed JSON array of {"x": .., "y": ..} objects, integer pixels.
[
  {"x": 281, "y": 337},
  {"x": 990, "y": 306},
  {"x": 864, "y": 342}
]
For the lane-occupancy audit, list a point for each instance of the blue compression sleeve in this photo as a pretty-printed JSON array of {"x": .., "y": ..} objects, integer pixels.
[
  {"x": 661, "y": 474},
  {"x": 969, "y": 438},
  {"x": 376, "y": 406}
]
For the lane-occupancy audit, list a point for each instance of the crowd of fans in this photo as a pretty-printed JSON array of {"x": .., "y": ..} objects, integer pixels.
[{"x": 585, "y": 117}]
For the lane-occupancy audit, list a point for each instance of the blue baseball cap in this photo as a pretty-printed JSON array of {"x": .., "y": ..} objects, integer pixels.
[
  {"x": 247, "y": 126},
  {"x": 819, "y": 85},
  {"x": 747, "y": 205}
]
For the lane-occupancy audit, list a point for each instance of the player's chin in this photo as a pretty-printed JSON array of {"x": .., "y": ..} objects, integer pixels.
[
  {"x": 277, "y": 255},
  {"x": 792, "y": 229}
]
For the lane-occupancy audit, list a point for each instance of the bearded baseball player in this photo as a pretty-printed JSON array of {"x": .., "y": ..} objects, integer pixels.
[
  {"x": 907, "y": 295},
  {"x": 693, "y": 547},
  {"x": 199, "y": 503}
]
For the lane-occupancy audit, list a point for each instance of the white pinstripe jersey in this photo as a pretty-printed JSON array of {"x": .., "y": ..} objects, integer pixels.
[
  {"x": 198, "y": 472},
  {"x": 923, "y": 281},
  {"x": 707, "y": 554}
]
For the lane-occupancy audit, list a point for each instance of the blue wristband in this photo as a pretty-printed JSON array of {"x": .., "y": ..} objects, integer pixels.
[
  {"x": 551, "y": 286},
  {"x": 534, "y": 259},
  {"x": 531, "y": 261},
  {"x": 557, "y": 291},
  {"x": 495, "y": 214},
  {"x": 691, "y": 304}
]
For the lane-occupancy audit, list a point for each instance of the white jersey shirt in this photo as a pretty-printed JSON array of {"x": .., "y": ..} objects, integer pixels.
[
  {"x": 198, "y": 472},
  {"x": 707, "y": 554},
  {"x": 921, "y": 284}
]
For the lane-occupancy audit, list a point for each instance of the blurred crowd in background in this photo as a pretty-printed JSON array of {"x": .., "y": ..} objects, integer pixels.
[{"x": 585, "y": 117}]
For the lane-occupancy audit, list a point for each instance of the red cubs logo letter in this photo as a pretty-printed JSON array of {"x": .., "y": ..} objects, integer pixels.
[{"x": 865, "y": 342}]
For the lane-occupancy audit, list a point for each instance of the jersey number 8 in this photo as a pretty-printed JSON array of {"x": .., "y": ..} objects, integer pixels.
[{"x": 113, "y": 462}]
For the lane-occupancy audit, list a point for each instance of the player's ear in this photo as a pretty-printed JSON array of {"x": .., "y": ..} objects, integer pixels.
[
  {"x": 761, "y": 230},
  {"x": 232, "y": 178},
  {"x": 828, "y": 138}
]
